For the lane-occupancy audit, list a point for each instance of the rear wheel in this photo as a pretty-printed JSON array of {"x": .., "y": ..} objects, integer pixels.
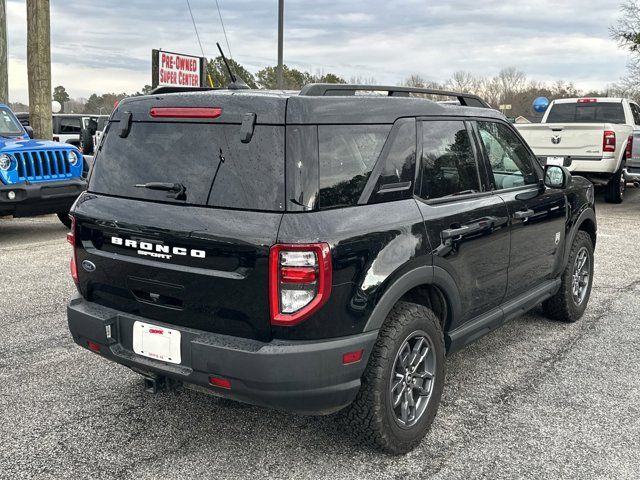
[
  {"x": 403, "y": 381},
  {"x": 570, "y": 302},
  {"x": 615, "y": 188},
  {"x": 64, "y": 218}
]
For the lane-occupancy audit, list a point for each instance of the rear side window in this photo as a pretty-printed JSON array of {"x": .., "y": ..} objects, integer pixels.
[
  {"x": 449, "y": 165},
  {"x": 586, "y": 113},
  {"x": 209, "y": 160},
  {"x": 347, "y": 155}
]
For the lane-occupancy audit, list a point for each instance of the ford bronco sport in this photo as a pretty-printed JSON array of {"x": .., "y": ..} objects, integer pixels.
[
  {"x": 322, "y": 250},
  {"x": 37, "y": 177}
]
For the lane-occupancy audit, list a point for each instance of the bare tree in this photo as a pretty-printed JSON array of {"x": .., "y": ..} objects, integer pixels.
[{"x": 627, "y": 33}]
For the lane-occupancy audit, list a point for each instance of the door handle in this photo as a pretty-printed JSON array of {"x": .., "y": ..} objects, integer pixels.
[
  {"x": 454, "y": 232},
  {"x": 523, "y": 214},
  {"x": 475, "y": 227}
]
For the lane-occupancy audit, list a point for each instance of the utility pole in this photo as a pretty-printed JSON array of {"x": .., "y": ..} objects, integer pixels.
[
  {"x": 39, "y": 67},
  {"x": 280, "y": 79},
  {"x": 4, "y": 60}
]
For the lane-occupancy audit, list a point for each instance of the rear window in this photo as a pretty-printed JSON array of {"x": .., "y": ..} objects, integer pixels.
[
  {"x": 209, "y": 160},
  {"x": 586, "y": 113}
]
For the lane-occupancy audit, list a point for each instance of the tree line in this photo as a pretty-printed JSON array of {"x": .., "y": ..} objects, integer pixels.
[{"x": 509, "y": 86}]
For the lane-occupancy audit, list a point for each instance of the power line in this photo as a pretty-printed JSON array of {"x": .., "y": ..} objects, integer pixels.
[
  {"x": 224, "y": 31},
  {"x": 199, "y": 42},
  {"x": 195, "y": 28}
]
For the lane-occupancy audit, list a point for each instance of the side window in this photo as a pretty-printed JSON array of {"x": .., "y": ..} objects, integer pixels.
[
  {"x": 347, "y": 154},
  {"x": 70, "y": 125},
  {"x": 449, "y": 165},
  {"x": 510, "y": 161},
  {"x": 635, "y": 110}
]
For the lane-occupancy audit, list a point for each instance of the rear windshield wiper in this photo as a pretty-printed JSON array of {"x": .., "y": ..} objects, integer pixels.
[{"x": 178, "y": 189}]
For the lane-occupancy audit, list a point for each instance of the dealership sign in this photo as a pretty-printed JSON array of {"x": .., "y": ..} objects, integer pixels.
[{"x": 177, "y": 70}]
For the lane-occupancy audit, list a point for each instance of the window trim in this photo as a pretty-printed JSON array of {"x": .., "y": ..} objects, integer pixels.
[
  {"x": 487, "y": 163},
  {"x": 482, "y": 179}
]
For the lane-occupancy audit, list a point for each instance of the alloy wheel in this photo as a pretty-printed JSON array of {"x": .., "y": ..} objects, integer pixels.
[
  {"x": 412, "y": 379},
  {"x": 581, "y": 276}
]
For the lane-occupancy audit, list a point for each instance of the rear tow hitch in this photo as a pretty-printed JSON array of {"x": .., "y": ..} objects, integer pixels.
[{"x": 154, "y": 384}]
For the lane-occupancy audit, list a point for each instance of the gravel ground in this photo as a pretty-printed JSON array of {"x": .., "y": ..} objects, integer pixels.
[{"x": 535, "y": 399}]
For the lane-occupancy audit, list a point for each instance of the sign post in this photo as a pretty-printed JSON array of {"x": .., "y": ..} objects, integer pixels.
[{"x": 170, "y": 69}]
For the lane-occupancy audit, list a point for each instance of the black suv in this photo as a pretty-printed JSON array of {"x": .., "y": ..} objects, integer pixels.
[{"x": 319, "y": 250}]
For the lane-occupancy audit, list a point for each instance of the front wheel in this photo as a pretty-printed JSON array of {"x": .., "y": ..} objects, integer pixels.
[
  {"x": 64, "y": 218},
  {"x": 570, "y": 302},
  {"x": 403, "y": 381},
  {"x": 614, "y": 192}
]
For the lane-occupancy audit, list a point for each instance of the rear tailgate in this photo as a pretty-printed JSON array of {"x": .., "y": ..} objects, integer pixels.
[
  {"x": 191, "y": 266},
  {"x": 583, "y": 140},
  {"x": 194, "y": 252}
]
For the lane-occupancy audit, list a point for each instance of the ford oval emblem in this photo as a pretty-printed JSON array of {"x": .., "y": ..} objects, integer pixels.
[{"x": 88, "y": 266}]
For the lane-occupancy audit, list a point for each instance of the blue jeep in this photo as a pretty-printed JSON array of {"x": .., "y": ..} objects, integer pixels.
[{"x": 37, "y": 177}]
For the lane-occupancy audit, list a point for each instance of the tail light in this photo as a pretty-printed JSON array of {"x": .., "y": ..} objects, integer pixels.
[
  {"x": 609, "y": 141},
  {"x": 587, "y": 100},
  {"x": 71, "y": 238},
  {"x": 629, "y": 151},
  {"x": 299, "y": 281}
]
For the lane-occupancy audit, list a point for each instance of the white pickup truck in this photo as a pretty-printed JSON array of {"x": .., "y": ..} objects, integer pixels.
[{"x": 592, "y": 137}]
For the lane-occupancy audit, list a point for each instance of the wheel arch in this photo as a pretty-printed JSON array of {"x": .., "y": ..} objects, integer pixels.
[
  {"x": 586, "y": 222},
  {"x": 430, "y": 286}
]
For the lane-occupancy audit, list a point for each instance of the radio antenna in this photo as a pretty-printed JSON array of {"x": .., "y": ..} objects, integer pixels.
[{"x": 224, "y": 59}]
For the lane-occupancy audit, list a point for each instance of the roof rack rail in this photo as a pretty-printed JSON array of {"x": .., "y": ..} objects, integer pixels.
[
  {"x": 340, "y": 89},
  {"x": 170, "y": 89}
]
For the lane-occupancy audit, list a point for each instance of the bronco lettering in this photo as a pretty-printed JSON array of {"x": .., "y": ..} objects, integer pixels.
[{"x": 157, "y": 251}]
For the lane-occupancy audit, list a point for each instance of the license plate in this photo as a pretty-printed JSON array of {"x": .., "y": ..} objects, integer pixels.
[
  {"x": 555, "y": 161},
  {"x": 156, "y": 342}
]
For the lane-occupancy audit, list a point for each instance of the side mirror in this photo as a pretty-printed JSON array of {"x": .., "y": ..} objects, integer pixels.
[
  {"x": 556, "y": 176},
  {"x": 29, "y": 131}
]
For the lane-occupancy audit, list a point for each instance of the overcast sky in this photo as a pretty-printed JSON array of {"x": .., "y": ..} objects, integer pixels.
[{"x": 105, "y": 46}]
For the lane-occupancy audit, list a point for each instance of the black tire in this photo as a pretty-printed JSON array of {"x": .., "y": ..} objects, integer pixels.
[
  {"x": 371, "y": 417},
  {"x": 64, "y": 218},
  {"x": 614, "y": 191},
  {"x": 563, "y": 305}
]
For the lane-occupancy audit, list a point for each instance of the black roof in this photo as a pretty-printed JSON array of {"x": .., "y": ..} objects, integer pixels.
[{"x": 314, "y": 104}]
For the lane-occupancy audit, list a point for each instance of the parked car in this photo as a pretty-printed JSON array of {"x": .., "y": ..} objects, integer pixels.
[
  {"x": 592, "y": 137},
  {"x": 69, "y": 127},
  {"x": 320, "y": 251},
  {"x": 37, "y": 177}
]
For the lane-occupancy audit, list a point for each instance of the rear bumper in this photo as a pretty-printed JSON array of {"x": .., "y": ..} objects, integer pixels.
[
  {"x": 300, "y": 376},
  {"x": 599, "y": 167},
  {"x": 632, "y": 173},
  {"x": 40, "y": 198}
]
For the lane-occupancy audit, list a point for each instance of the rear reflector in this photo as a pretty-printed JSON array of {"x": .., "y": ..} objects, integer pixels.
[
  {"x": 93, "y": 346},
  {"x": 220, "y": 382},
  {"x": 609, "y": 141},
  {"x": 352, "y": 357},
  {"x": 185, "y": 112}
]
